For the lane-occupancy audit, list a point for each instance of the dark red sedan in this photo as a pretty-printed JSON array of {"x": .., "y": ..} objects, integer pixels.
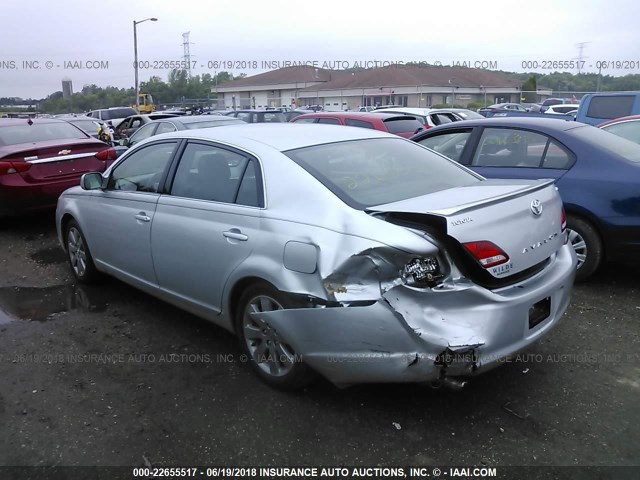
[
  {"x": 41, "y": 158},
  {"x": 403, "y": 125}
]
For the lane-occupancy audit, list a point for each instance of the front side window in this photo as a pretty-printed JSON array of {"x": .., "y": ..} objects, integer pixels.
[
  {"x": 142, "y": 133},
  {"x": 207, "y": 172},
  {"x": 143, "y": 170},
  {"x": 375, "y": 171}
]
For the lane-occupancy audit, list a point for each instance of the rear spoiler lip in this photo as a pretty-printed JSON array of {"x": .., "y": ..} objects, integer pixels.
[
  {"x": 518, "y": 193},
  {"x": 446, "y": 212}
]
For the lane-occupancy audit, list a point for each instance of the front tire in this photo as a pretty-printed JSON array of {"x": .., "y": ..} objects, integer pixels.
[
  {"x": 587, "y": 245},
  {"x": 79, "y": 255},
  {"x": 269, "y": 355}
]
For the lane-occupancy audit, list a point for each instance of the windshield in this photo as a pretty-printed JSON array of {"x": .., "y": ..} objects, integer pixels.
[
  {"x": 369, "y": 172},
  {"x": 38, "y": 132},
  {"x": 602, "y": 139}
]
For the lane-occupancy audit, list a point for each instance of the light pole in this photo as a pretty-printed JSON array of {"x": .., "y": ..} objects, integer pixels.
[
  {"x": 135, "y": 56},
  {"x": 453, "y": 90}
]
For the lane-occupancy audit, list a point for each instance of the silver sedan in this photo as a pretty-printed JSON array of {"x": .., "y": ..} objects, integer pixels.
[{"x": 344, "y": 252}]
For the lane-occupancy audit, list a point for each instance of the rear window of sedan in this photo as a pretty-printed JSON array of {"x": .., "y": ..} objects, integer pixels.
[
  {"x": 38, "y": 132},
  {"x": 118, "y": 113},
  {"x": 601, "y": 139},
  {"x": 403, "y": 125},
  {"x": 369, "y": 172}
]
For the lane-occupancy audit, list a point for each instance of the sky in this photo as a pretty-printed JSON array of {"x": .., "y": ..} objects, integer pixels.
[{"x": 44, "y": 42}]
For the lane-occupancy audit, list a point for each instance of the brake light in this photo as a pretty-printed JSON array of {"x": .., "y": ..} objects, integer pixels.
[
  {"x": 563, "y": 224},
  {"x": 487, "y": 253},
  {"x": 107, "y": 154},
  {"x": 7, "y": 168}
]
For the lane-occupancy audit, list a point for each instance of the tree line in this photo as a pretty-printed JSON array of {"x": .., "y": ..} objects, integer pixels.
[{"x": 179, "y": 86}]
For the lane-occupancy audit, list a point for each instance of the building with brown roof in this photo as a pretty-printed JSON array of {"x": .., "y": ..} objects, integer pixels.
[{"x": 407, "y": 85}]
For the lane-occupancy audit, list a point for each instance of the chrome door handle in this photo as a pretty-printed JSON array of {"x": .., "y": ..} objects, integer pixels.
[
  {"x": 236, "y": 235},
  {"x": 143, "y": 217}
]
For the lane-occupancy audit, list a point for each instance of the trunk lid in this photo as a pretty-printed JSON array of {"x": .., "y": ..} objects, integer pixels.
[
  {"x": 521, "y": 217},
  {"x": 54, "y": 160}
]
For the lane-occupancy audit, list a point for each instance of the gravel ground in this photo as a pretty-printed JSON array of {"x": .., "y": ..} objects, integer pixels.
[{"x": 110, "y": 376}]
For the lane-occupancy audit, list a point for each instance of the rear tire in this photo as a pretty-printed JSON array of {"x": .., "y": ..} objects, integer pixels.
[
  {"x": 586, "y": 243},
  {"x": 270, "y": 357},
  {"x": 79, "y": 255}
]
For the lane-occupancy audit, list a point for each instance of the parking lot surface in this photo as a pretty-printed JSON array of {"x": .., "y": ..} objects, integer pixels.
[{"x": 108, "y": 375}]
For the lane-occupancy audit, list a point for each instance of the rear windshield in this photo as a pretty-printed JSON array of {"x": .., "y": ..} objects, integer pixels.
[
  {"x": 118, "y": 113},
  {"x": 610, "y": 107},
  {"x": 601, "y": 139},
  {"x": 38, "y": 132},
  {"x": 86, "y": 125},
  {"x": 403, "y": 125},
  {"x": 369, "y": 172},
  {"x": 272, "y": 117}
]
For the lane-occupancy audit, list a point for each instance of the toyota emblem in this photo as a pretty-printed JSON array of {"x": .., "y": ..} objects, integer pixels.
[{"x": 536, "y": 207}]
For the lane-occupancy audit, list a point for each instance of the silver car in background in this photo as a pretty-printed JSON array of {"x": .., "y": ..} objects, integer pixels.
[{"x": 347, "y": 252}]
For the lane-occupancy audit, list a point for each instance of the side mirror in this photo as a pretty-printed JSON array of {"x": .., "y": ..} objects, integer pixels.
[
  {"x": 123, "y": 142},
  {"x": 91, "y": 181}
]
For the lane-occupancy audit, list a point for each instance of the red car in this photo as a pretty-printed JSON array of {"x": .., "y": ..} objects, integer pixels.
[
  {"x": 404, "y": 125},
  {"x": 41, "y": 158}
]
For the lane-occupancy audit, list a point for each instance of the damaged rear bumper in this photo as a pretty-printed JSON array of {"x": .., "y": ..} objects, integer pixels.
[{"x": 422, "y": 335}]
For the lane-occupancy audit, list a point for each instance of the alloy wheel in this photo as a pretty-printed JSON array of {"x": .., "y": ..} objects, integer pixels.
[
  {"x": 77, "y": 252},
  {"x": 271, "y": 354},
  {"x": 579, "y": 246}
]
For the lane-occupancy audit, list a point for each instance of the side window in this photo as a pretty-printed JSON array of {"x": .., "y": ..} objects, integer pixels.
[
  {"x": 448, "y": 144},
  {"x": 142, "y": 170},
  {"x": 556, "y": 157},
  {"x": 509, "y": 147},
  {"x": 305, "y": 120},
  {"x": 249, "y": 192},
  {"x": 135, "y": 123},
  {"x": 142, "y": 133},
  {"x": 358, "y": 123},
  {"x": 329, "y": 121},
  {"x": 441, "y": 118},
  {"x": 206, "y": 172},
  {"x": 244, "y": 116},
  {"x": 165, "y": 127}
]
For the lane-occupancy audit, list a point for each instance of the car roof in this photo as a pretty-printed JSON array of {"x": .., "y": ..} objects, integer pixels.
[
  {"x": 557, "y": 124},
  {"x": 195, "y": 119},
  {"x": 408, "y": 110},
  {"x": 354, "y": 115},
  {"x": 256, "y": 110},
  {"x": 280, "y": 136}
]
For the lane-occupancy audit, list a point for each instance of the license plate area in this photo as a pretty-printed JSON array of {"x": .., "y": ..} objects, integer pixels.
[{"x": 539, "y": 311}]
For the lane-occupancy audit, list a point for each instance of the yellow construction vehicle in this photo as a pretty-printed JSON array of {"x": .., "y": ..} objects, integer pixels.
[{"x": 146, "y": 103}]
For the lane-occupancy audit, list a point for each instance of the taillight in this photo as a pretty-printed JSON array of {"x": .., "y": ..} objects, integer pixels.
[
  {"x": 487, "y": 253},
  {"x": 107, "y": 154},
  {"x": 7, "y": 168}
]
